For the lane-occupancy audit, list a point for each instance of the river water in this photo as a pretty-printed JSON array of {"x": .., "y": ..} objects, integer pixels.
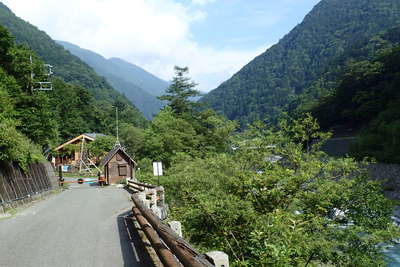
[{"x": 393, "y": 256}]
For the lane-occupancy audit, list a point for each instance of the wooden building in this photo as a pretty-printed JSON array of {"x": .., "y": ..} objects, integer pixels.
[
  {"x": 118, "y": 165},
  {"x": 71, "y": 157}
]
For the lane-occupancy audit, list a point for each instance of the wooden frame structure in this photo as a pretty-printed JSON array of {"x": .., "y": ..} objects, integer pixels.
[{"x": 78, "y": 158}]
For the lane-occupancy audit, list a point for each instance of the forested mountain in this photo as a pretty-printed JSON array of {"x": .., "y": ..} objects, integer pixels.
[
  {"x": 32, "y": 120},
  {"x": 139, "y": 86},
  {"x": 67, "y": 66},
  {"x": 268, "y": 84},
  {"x": 136, "y": 75},
  {"x": 366, "y": 99}
]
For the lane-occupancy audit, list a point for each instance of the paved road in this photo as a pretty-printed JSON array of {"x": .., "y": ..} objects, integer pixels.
[{"x": 82, "y": 226}]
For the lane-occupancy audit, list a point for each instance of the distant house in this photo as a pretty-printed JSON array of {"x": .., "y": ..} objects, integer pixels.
[
  {"x": 118, "y": 165},
  {"x": 71, "y": 156}
]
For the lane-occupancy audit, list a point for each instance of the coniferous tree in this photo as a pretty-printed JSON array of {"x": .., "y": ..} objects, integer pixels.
[{"x": 180, "y": 91}]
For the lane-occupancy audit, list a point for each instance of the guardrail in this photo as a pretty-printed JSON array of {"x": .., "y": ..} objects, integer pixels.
[
  {"x": 137, "y": 186},
  {"x": 151, "y": 195},
  {"x": 167, "y": 240}
]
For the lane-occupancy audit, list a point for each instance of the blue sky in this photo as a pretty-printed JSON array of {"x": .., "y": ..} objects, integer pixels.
[
  {"x": 248, "y": 24},
  {"x": 214, "y": 38}
]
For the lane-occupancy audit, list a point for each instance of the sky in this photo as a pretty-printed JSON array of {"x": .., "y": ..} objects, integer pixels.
[{"x": 214, "y": 38}]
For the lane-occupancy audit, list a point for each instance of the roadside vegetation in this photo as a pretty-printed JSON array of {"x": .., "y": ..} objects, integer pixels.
[
  {"x": 34, "y": 122},
  {"x": 266, "y": 196}
]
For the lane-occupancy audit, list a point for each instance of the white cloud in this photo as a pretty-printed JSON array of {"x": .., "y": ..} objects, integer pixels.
[
  {"x": 154, "y": 34},
  {"x": 202, "y": 2}
]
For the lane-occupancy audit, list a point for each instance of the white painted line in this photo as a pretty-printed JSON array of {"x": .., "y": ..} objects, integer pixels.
[{"x": 134, "y": 250}]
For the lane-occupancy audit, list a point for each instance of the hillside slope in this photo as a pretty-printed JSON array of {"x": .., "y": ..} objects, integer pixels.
[
  {"x": 365, "y": 102},
  {"x": 139, "y": 86},
  {"x": 136, "y": 75},
  {"x": 272, "y": 80},
  {"x": 66, "y": 66}
]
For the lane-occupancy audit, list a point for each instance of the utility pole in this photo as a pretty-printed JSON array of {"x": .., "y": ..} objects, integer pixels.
[{"x": 116, "y": 116}]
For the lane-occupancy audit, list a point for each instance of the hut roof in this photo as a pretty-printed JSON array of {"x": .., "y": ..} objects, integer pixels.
[
  {"x": 111, "y": 154},
  {"x": 89, "y": 137},
  {"x": 94, "y": 135}
]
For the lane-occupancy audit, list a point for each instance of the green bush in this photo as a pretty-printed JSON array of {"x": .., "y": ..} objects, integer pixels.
[
  {"x": 15, "y": 147},
  {"x": 265, "y": 213}
]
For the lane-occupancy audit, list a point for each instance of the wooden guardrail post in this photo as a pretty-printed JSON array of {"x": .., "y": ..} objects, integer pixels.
[
  {"x": 165, "y": 255},
  {"x": 150, "y": 209},
  {"x": 187, "y": 255}
]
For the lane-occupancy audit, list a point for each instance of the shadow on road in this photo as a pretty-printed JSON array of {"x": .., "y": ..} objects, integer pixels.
[{"x": 132, "y": 247}]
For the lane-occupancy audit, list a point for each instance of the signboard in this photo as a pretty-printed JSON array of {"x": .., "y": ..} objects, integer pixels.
[
  {"x": 157, "y": 169},
  {"x": 65, "y": 168}
]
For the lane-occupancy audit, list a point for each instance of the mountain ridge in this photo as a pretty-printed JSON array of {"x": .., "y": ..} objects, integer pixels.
[
  {"x": 67, "y": 66},
  {"x": 76, "y": 77},
  {"x": 138, "y": 85},
  {"x": 265, "y": 86}
]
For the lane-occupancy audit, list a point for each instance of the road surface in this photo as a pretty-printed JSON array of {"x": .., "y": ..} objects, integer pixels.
[{"x": 83, "y": 226}]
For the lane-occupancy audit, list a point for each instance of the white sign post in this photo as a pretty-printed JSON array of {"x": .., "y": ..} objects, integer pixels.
[{"x": 157, "y": 170}]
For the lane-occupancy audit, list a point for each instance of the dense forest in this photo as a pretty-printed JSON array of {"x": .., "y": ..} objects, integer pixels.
[
  {"x": 35, "y": 121},
  {"x": 366, "y": 100},
  {"x": 270, "y": 84},
  {"x": 267, "y": 196},
  {"x": 139, "y": 86},
  {"x": 67, "y": 66}
]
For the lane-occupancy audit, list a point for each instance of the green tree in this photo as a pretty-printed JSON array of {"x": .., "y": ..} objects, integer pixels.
[
  {"x": 169, "y": 135},
  {"x": 132, "y": 138},
  {"x": 101, "y": 146},
  {"x": 180, "y": 92},
  {"x": 306, "y": 209},
  {"x": 15, "y": 147}
]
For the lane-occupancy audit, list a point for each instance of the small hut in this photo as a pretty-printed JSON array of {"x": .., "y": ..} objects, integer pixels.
[
  {"x": 118, "y": 165},
  {"x": 74, "y": 157}
]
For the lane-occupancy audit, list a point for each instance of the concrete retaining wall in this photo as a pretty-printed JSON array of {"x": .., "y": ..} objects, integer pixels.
[
  {"x": 338, "y": 147},
  {"x": 390, "y": 174}
]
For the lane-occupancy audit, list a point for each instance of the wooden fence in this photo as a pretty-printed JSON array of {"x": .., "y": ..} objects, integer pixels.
[{"x": 18, "y": 187}]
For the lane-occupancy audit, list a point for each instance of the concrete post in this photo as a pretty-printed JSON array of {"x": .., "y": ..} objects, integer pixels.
[
  {"x": 220, "y": 258},
  {"x": 157, "y": 211},
  {"x": 153, "y": 193},
  {"x": 142, "y": 197},
  {"x": 176, "y": 227}
]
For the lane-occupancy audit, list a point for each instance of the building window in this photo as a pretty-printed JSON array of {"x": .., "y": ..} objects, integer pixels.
[{"x": 122, "y": 169}]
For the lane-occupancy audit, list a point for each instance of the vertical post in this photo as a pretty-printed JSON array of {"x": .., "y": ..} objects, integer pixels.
[
  {"x": 31, "y": 65},
  {"x": 100, "y": 182},
  {"x": 60, "y": 176},
  {"x": 116, "y": 118},
  {"x": 157, "y": 170},
  {"x": 220, "y": 258},
  {"x": 116, "y": 114},
  {"x": 176, "y": 227}
]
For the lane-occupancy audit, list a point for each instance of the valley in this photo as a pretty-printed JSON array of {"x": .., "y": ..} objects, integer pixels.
[{"x": 293, "y": 161}]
